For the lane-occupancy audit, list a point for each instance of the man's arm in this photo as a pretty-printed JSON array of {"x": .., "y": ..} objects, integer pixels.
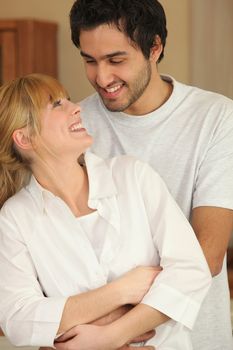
[{"x": 213, "y": 227}]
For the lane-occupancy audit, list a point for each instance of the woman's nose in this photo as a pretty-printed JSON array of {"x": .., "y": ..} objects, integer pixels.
[{"x": 76, "y": 108}]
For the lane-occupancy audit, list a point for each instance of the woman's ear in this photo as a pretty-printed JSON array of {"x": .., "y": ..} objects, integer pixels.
[
  {"x": 156, "y": 49},
  {"x": 21, "y": 139}
]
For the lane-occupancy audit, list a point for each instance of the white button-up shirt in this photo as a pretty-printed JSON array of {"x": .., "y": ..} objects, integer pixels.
[{"x": 45, "y": 256}]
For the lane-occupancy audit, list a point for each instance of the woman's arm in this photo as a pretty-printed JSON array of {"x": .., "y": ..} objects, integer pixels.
[
  {"x": 139, "y": 320},
  {"x": 29, "y": 318},
  {"x": 178, "y": 290},
  {"x": 90, "y": 306},
  {"x": 113, "y": 316}
]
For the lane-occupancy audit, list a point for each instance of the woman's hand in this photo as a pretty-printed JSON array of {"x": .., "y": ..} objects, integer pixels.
[
  {"x": 87, "y": 337},
  {"x": 91, "y": 337},
  {"x": 134, "y": 284}
]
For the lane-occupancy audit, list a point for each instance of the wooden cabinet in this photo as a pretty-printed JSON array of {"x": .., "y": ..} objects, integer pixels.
[
  {"x": 27, "y": 46},
  {"x": 230, "y": 269}
]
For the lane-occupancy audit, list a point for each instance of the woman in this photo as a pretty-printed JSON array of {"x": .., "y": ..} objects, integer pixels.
[{"x": 71, "y": 231}]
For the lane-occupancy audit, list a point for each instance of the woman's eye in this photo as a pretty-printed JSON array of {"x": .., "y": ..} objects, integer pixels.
[{"x": 56, "y": 103}]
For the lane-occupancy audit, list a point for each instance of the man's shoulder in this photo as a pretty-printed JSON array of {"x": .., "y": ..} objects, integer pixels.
[
  {"x": 92, "y": 109},
  {"x": 204, "y": 97},
  {"x": 91, "y": 101}
]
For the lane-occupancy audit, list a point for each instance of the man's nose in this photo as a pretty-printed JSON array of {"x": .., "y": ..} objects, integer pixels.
[{"x": 104, "y": 76}]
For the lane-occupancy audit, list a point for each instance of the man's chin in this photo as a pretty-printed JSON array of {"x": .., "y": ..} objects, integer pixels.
[{"x": 113, "y": 106}]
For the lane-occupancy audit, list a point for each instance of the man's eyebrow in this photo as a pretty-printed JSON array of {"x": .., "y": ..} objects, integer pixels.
[
  {"x": 110, "y": 55},
  {"x": 83, "y": 54}
]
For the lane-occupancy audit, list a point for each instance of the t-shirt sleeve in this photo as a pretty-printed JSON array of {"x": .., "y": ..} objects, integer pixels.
[
  {"x": 214, "y": 182},
  {"x": 180, "y": 288}
]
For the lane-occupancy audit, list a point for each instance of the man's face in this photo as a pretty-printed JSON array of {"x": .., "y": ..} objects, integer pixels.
[{"x": 117, "y": 70}]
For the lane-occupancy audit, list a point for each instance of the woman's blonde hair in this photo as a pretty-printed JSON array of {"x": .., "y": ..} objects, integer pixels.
[{"x": 21, "y": 102}]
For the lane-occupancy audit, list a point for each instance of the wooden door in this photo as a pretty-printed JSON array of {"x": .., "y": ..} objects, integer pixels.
[{"x": 27, "y": 46}]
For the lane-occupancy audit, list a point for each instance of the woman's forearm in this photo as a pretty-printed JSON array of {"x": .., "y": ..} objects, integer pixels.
[
  {"x": 112, "y": 316},
  {"x": 115, "y": 335},
  {"x": 90, "y": 306},
  {"x": 139, "y": 320}
]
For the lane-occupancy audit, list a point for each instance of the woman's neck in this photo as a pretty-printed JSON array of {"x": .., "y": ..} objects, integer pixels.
[{"x": 69, "y": 181}]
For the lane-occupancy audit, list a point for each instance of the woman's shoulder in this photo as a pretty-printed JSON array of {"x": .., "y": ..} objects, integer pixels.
[{"x": 20, "y": 202}]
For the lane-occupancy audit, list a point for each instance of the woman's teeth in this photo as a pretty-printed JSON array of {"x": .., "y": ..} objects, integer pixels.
[{"x": 76, "y": 127}]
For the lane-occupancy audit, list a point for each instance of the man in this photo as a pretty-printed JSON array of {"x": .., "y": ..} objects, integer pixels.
[{"x": 185, "y": 133}]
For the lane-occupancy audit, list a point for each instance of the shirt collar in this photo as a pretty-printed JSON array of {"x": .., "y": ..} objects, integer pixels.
[
  {"x": 100, "y": 177},
  {"x": 39, "y": 193},
  {"x": 101, "y": 184}
]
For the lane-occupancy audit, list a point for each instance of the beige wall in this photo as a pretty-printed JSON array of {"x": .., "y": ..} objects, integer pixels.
[
  {"x": 212, "y": 45},
  {"x": 177, "y": 53},
  {"x": 71, "y": 72}
]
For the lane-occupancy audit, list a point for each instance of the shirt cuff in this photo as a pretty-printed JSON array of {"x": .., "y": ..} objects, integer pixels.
[
  {"x": 47, "y": 320},
  {"x": 172, "y": 303}
]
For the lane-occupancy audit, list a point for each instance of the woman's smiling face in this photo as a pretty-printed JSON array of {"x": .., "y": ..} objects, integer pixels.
[{"x": 61, "y": 130}]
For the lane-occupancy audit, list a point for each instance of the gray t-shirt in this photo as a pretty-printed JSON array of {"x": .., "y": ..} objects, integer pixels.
[{"x": 189, "y": 142}]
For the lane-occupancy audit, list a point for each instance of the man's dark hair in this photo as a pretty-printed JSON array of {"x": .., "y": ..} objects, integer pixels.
[{"x": 140, "y": 20}]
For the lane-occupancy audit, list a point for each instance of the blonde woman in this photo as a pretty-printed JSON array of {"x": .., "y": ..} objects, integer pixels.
[{"x": 70, "y": 231}]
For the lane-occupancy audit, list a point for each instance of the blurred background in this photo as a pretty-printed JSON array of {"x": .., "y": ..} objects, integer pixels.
[{"x": 35, "y": 36}]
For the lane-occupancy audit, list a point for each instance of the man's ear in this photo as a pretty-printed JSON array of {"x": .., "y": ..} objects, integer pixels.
[
  {"x": 21, "y": 139},
  {"x": 156, "y": 49}
]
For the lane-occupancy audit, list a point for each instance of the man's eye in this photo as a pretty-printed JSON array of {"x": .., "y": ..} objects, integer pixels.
[
  {"x": 90, "y": 61},
  {"x": 116, "y": 61},
  {"x": 56, "y": 103}
]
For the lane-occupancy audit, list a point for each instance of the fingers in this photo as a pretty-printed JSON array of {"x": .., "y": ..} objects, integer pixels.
[
  {"x": 60, "y": 346},
  {"x": 144, "y": 337},
  {"x": 158, "y": 268},
  {"x": 131, "y": 347},
  {"x": 149, "y": 347},
  {"x": 67, "y": 335}
]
